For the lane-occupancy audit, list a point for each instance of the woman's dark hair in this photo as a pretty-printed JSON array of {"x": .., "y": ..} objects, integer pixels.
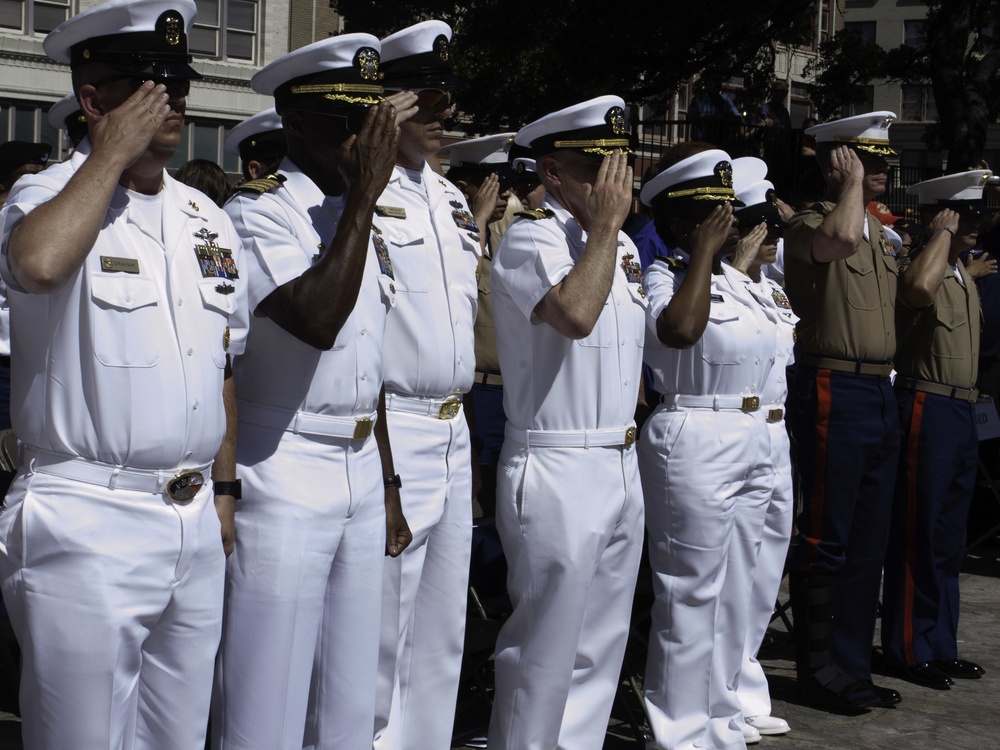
[{"x": 208, "y": 177}]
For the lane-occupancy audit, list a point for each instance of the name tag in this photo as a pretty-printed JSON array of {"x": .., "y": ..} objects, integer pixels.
[
  {"x": 392, "y": 212},
  {"x": 123, "y": 265}
]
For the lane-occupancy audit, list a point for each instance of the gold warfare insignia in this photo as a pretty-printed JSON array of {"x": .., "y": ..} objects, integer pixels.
[
  {"x": 886, "y": 122},
  {"x": 225, "y": 339},
  {"x": 173, "y": 27},
  {"x": 616, "y": 119},
  {"x": 124, "y": 265},
  {"x": 441, "y": 47},
  {"x": 675, "y": 263},
  {"x": 724, "y": 170},
  {"x": 367, "y": 61}
]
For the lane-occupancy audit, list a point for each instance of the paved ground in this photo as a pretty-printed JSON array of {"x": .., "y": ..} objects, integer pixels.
[{"x": 964, "y": 717}]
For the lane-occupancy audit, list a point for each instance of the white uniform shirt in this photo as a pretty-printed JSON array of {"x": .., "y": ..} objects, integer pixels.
[
  {"x": 552, "y": 382},
  {"x": 124, "y": 363},
  {"x": 735, "y": 353},
  {"x": 780, "y": 311},
  {"x": 284, "y": 232},
  {"x": 434, "y": 248}
]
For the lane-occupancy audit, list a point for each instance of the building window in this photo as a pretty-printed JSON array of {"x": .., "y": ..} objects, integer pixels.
[
  {"x": 203, "y": 139},
  {"x": 864, "y": 29},
  {"x": 226, "y": 30},
  {"x": 27, "y": 121},
  {"x": 33, "y": 16},
  {"x": 913, "y": 31},
  {"x": 825, "y": 21},
  {"x": 918, "y": 103}
]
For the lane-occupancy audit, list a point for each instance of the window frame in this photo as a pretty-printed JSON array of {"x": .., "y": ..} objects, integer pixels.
[{"x": 220, "y": 27}]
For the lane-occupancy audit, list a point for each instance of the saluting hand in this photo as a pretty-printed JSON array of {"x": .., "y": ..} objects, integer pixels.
[
  {"x": 845, "y": 169},
  {"x": 944, "y": 219},
  {"x": 709, "y": 236},
  {"x": 367, "y": 158},
  {"x": 610, "y": 197},
  {"x": 124, "y": 133},
  {"x": 748, "y": 247},
  {"x": 485, "y": 201}
]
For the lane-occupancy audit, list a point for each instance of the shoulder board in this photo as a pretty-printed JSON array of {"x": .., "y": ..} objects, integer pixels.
[
  {"x": 262, "y": 184},
  {"x": 536, "y": 214},
  {"x": 675, "y": 263}
]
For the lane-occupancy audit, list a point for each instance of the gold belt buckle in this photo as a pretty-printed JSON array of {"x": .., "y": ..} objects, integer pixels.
[
  {"x": 751, "y": 403},
  {"x": 775, "y": 415},
  {"x": 362, "y": 428},
  {"x": 630, "y": 437},
  {"x": 449, "y": 409},
  {"x": 184, "y": 486}
]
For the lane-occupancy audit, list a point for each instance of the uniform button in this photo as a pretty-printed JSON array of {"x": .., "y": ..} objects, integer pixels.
[
  {"x": 127, "y": 298},
  {"x": 756, "y": 361},
  {"x": 190, "y": 352},
  {"x": 364, "y": 376},
  {"x": 363, "y": 331},
  {"x": 195, "y": 406},
  {"x": 180, "y": 303},
  {"x": 189, "y": 454}
]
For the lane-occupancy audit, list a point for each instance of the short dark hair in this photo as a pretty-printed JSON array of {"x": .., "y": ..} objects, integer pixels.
[{"x": 206, "y": 176}]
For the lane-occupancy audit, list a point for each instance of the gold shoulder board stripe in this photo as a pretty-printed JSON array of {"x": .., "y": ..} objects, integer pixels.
[
  {"x": 262, "y": 184},
  {"x": 536, "y": 214}
]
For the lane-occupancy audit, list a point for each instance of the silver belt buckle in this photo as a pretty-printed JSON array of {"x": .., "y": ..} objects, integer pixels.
[{"x": 184, "y": 486}]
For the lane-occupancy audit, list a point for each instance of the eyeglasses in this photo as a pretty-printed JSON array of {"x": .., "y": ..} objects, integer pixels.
[{"x": 177, "y": 88}]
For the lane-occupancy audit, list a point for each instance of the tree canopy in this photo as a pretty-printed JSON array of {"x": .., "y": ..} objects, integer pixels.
[{"x": 522, "y": 59}]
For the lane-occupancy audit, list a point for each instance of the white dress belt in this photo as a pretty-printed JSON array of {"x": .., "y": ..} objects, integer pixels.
[
  {"x": 105, "y": 475},
  {"x": 304, "y": 423},
  {"x": 439, "y": 408},
  {"x": 616, "y": 436},
  {"x": 711, "y": 401}
]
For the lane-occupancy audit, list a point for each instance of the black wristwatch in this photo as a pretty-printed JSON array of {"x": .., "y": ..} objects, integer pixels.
[
  {"x": 234, "y": 488},
  {"x": 393, "y": 480}
]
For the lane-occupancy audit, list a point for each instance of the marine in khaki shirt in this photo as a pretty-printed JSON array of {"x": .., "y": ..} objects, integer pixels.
[
  {"x": 939, "y": 321},
  {"x": 841, "y": 278},
  {"x": 846, "y": 305}
]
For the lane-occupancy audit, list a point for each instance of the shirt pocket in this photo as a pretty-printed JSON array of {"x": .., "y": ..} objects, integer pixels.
[
  {"x": 860, "y": 281},
  {"x": 600, "y": 336},
  {"x": 950, "y": 319},
  {"x": 722, "y": 342},
  {"x": 220, "y": 306},
  {"x": 125, "y": 320},
  {"x": 414, "y": 260}
]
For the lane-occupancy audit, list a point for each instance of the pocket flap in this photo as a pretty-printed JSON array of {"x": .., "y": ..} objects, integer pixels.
[
  {"x": 214, "y": 299},
  {"x": 123, "y": 292}
]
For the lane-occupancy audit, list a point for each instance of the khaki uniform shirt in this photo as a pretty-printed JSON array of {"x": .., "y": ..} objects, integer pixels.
[
  {"x": 940, "y": 342},
  {"x": 487, "y": 359},
  {"x": 846, "y": 307}
]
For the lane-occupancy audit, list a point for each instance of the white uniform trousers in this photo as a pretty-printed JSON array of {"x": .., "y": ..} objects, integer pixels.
[
  {"x": 116, "y": 600},
  {"x": 425, "y": 590},
  {"x": 755, "y": 700},
  {"x": 706, "y": 480},
  {"x": 300, "y": 641},
  {"x": 570, "y": 520}
]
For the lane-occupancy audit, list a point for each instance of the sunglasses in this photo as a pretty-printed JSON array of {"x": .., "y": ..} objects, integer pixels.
[
  {"x": 176, "y": 87},
  {"x": 774, "y": 228},
  {"x": 434, "y": 98}
]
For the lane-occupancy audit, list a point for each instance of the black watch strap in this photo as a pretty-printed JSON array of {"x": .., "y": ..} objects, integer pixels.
[
  {"x": 234, "y": 488},
  {"x": 393, "y": 480}
]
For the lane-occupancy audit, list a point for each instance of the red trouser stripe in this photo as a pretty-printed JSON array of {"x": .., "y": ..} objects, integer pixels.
[
  {"x": 824, "y": 401},
  {"x": 912, "y": 462}
]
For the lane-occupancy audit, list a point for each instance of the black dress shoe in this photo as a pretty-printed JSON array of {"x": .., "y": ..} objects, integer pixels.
[
  {"x": 884, "y": 697},
  {"x": 839, "y": 696},
  {"x": 926, "y": 674},
  {"x": 960, "y": 668}
]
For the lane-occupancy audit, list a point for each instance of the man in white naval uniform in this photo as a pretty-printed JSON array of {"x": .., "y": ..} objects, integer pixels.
[
  {"x": 311, "y": 527},
  {"x": 433, "y": 245},
  {"x": 126, "y": 294},
  {"x": 570, "y": 325}
]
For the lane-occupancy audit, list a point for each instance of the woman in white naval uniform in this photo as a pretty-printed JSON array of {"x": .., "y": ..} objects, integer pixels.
[
  {"x": 704, "y": 455},
  {"x": 761, "y": 226}
]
